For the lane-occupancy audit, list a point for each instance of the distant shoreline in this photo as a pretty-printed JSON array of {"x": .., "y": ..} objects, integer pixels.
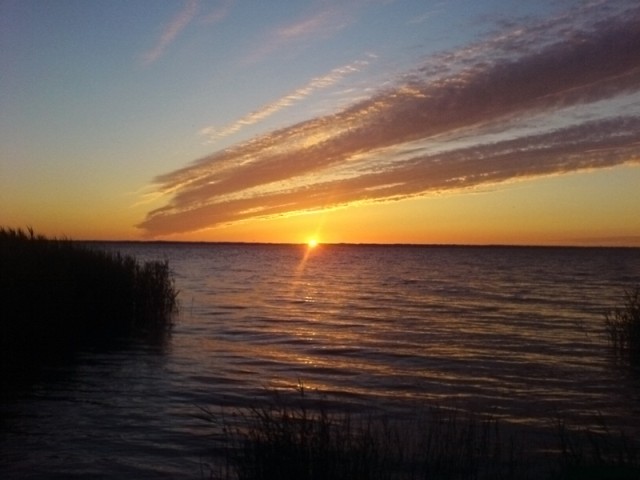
[{"x": 377, "y": 245}]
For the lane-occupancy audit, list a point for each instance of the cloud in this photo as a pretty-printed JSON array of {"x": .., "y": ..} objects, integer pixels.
[
  {"x": 325, "y": 81},
  {"x": 171, "y": 31},
  {"x": 307, "y": 26},
  {"x": 220, "y": 11},
  {"x": 323, "y": 23},
  {"x": 435, "y": 129}
]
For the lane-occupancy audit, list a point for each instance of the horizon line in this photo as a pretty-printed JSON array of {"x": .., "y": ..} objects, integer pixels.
[{"x": 362, "y": 244}]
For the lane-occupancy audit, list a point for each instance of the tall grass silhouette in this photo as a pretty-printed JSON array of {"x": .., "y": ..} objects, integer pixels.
[
  {"x": 57, "y": 296},
  {"x": 623, "y": 328},
  {"x": 303, "y": 438}
]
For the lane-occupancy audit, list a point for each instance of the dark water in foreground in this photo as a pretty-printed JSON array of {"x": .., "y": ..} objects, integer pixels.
[{"x": 516, "y": 332}]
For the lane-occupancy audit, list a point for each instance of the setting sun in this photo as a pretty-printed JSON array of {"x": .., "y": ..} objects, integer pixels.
[{"x": 312, "y": 243}]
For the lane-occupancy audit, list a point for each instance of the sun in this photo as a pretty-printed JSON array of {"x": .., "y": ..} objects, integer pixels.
[{"x": 312, "y": 243}]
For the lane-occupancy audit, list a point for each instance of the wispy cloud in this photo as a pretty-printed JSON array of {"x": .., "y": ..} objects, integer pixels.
[
  {"x": 420, "y": 19},
  {"x": 213, "y": 133},
  {"x": 439, "y": 128},
  {"x": 171, "y": 31},
  {"x": 189, "y": 12},
  {"x": 323, "y": 23},
  {"x": 219, "y": 12},
  {"x": 306, "y": 26}
]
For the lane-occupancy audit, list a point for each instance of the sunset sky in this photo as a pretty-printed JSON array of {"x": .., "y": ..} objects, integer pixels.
[{"x": 468, "y": 122}]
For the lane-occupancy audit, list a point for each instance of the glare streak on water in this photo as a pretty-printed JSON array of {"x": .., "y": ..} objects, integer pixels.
[{"x": 516, "y": 332}]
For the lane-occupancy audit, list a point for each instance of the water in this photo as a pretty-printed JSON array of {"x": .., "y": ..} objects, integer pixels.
[{"x": 515, "y": 332}]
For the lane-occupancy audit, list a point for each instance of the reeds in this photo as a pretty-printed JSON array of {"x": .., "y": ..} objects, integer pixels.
[
  {"x": 623, "y": 328},
  {"x": 57, "y": 296},
  {"x": 594, "y": 455},
  {"x": 304, "y": 439}
]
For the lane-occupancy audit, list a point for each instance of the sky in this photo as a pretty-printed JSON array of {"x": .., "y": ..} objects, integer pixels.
[{"x": 357, "y": 121}]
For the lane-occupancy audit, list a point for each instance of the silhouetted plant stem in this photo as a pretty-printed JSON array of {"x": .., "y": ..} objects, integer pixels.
[{"x": 623, "y": 328}]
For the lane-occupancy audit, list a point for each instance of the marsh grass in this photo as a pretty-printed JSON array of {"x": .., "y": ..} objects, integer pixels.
[
  {"x": 302, "y": 438},
  {"x": 57, "y": 296},
  {"x": 601, "y": 454},
  {"x": 623, "y": 328}
]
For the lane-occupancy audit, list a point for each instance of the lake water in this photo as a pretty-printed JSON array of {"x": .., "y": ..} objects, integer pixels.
[{"x": 515, "y": 332}]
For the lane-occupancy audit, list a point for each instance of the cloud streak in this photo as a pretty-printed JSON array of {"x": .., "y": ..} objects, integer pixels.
[
  {"x": 432, "y": 130},
  {"x": 319, "y": 23},
  {"x": 182, "y": 20},
  {"x": 171, "y": 31},
  {"x": 212, "y": 133}
]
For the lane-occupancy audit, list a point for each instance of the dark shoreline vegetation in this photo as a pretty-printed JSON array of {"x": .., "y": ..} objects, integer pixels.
[
  {"x": 623, "y": 328},
  {"x": 59, "y": 296},
  {"x": 301, "y": 436}
]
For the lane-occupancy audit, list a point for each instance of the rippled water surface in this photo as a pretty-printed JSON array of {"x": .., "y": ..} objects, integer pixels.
[{"x": 515, "y": 332}]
